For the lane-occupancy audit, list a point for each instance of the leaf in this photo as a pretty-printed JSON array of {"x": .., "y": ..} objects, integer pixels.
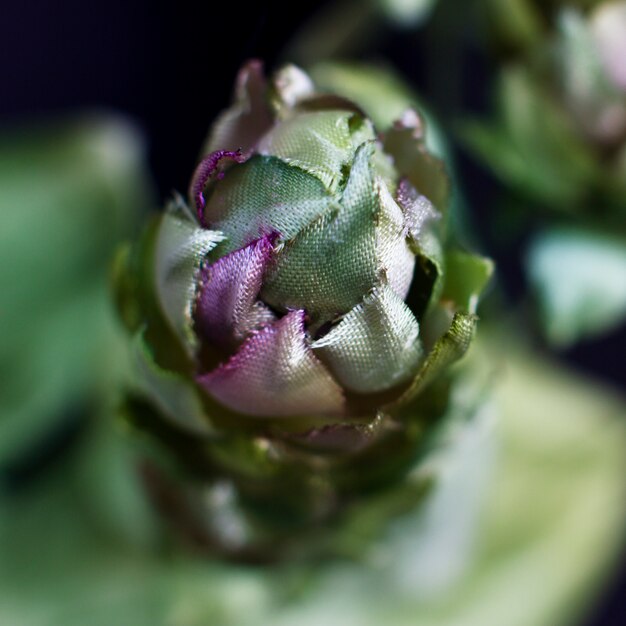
[
  {"x": 181, "y": 248},
  {"x": 579, "y": 278},
  {"x": 549, "y": 519},
  {"x": 466, "y": 277},
  {"x": 69, "y": 192},
  {"x": 447, "y": 350},
  {"x": 175, "y": 395},
  {"x": 516, "y": 23},
  {"x": 533, "y": 145}
]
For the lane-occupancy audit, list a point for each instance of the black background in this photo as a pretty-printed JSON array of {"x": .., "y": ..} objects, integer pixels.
[{"x": 171, "y": 66}]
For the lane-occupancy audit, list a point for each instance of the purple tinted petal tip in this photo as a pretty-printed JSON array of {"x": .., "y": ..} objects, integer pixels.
[
  {"x": 418, "y": 210},
  {"x": 275, "y": 373},
  {"x": 272, "y": 237},
  {"x": 206, "y": 168},
  {"x": 225, "y": 306}
]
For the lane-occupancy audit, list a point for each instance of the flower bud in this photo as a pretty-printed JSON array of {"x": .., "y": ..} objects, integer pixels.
[{"x": 293, "y": 312}]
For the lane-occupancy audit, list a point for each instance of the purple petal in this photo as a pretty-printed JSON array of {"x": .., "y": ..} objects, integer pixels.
[
  {"x": 418, "y": 209},
  {"x": 226, "y": 308},
  {"x": 206, "y": 168},
  {"x": 346, "y": 437},
  {"x": 276, "y": 374}
]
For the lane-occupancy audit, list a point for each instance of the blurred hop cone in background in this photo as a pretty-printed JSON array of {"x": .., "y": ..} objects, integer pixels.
[{"x": 558, "y": 143}]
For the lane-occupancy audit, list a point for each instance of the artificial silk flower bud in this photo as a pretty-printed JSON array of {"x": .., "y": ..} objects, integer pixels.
[{"x": 296, "y": 314}]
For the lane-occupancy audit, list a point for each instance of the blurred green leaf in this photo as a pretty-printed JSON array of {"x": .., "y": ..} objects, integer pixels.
[
  {"x": 532, "y": 146},
  {"x": 515, "y": 23},
  {"x": 407, "y": 13},
  {"x": 68, "y": 193},
  {"x": 579, "y": 278},
  {"x": 80, "y": 547}
]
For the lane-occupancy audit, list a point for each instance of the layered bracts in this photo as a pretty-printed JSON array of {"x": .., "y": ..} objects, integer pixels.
[{"x": 294, "y": 315}]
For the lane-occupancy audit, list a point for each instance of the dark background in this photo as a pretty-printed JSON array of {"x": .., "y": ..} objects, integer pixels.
[{"x": 171, "y": 66}]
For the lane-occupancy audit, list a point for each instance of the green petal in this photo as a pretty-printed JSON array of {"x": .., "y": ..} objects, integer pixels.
[
  {"x": 264, "y": 194},
  {"x": 448, "y": 349},
  {"x": 174, "y": 395},
  {"x": 328, "y": 267},
  {"x": 428, "y": 278},
  {"x": 405, "y": 141},
  {"x": 181, "y": 247},
  {"x": 395, "y": 256},
  {"x": 466, "y": 277},
  {"x": 375, "y": 346},
  {"x": 319, "y": 143}
]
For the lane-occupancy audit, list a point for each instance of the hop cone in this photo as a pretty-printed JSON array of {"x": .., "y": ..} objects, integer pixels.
[
  {"x": 560, "y": 136},
  {"x": 295, "y": 316}
]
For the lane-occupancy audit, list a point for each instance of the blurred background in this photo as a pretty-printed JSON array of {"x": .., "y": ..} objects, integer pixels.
[{"x": 165, "y": 70}]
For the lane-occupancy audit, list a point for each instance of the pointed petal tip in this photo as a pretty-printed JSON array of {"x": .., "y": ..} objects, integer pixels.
[
  {"x": 208, "y": 167},
  {"x": 276, "y": 374}
]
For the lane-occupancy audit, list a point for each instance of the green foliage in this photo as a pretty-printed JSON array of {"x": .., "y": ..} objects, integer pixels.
[
  {"x": 68, "y": 193},
  {"x": 579, "y": 278},
  {"x": 81, "y": 547}
]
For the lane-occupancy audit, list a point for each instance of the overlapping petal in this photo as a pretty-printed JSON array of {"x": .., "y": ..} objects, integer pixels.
[
  {"x": 418, "y": 210},
  {"x": 242, "y": 125},
  {"x": 395, "y": 257},
  {"x": 263, "y": 195},
  {"x": 275, "y": 373},
  {"x": 318, "y": 303},
  {"x": 406, "y": 142},
  {"x": 375, "y": 346},
  {"x": 226, "y": 307},
  {"x": 448, "y": 349},
  {"x": 329, "y": 265},
  {"x": 181, "y": 247},
  {"x": 319, "y": 142}
]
